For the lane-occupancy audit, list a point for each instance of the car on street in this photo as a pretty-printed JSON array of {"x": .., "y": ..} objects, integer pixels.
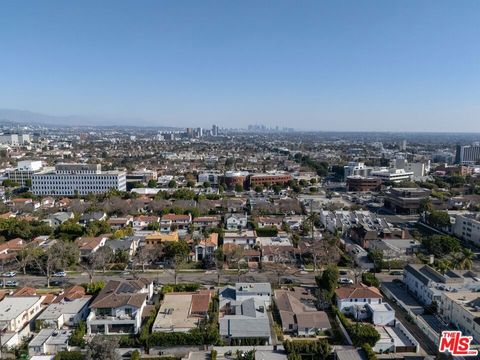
[
  {"x": 9, "y": 274},
  {"x": 60, "y": 274},
  {"x": 396, "y": 272},
  {"x": 343, "y": 272},
  {"x": 11, "y": 283},
  {"x": 345, "y": 281}
]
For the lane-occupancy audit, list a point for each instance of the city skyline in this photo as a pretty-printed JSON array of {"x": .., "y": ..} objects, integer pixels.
[{"x": 324, "y": 66}]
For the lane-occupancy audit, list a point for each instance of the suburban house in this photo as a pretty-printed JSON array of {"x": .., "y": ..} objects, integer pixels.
[
  {"x": 119, "y": 306},
  {"x": 236, "y": 221},
  {"x": 89, "y": 245},
  {"x": 8, "y": 250},
  {"x": 16, "y": 313},
  {"x": 128, "y": 244},
  {"x": 92, "y": 216},
  {"x": 181, "y": 222},
  {"x": 245, "y": 238},
  {"x": 243, "y": 312},
  {"x": 206, "y": 247},
  {"x": 278, "y": 254},
  {"x": 298, "y": 314},
  {"x": 58, "y": 218},
  {"x": 49, "y": 342},
  {"x": 206, "y": 222},
  {"x": 120, "y": 222},
  {"x": 158, "y": 238},
  {"x": 182, "y": 311},
  {"x": 352, "y": 299},
  {"x": 142, "y": 221},
  {"x": 67, "y": 310},
  {"x": 270, "y": 221}
]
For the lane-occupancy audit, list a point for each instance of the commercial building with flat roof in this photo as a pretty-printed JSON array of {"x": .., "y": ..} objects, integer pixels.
[{"x": 81, "y": 179}]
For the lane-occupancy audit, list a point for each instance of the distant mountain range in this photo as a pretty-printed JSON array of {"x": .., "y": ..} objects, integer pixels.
[{"x": 29, "y": 117}]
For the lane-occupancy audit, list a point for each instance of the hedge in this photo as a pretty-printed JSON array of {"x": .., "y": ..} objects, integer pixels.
[
  {"x": 318, "y": 349},
  {"x": 369, "y": 352}
]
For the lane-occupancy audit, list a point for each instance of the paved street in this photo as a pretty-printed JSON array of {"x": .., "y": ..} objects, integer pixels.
[{"x": 167, "y": 276}]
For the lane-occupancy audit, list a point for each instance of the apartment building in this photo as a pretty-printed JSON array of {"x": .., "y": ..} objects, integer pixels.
[
  {"x": 81, "y": 179},
  {"x": 427, "y": 284},
  {"x": 462, "y": 310},
  {"x": 467, "y": 227}
]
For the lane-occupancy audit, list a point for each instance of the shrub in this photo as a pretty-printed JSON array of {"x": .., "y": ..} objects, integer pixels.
[
  {"x": 77, "y": 337},
  {"x": 370, "y": 279},
  {"x": 69, "y": 355},
  {"x": 359, "y": 333},
  {"x": 316, "y": 349}
]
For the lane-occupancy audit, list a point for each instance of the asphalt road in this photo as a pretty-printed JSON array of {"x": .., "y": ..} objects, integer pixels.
[{"x": 167, "y": 276}]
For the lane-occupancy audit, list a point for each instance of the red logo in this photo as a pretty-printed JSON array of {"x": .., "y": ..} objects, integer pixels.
[{"x": 456, "y": 344}]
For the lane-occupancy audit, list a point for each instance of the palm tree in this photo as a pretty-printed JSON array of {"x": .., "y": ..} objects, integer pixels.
[
  {"x": 443, "y": 265},
  {"x": 466, "y": 257}
]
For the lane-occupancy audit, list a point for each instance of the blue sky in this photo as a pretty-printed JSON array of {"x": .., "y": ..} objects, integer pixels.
[{"x": 326, "y": 65}]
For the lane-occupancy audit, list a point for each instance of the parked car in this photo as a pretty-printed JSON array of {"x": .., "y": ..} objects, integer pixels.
[
  {"x": 56, "y": 283},
  {"x": 11, "y": 283},
  {"x": 10, "y": 274},
  {"x": 343, "y": 272},
  {"x": 396, "y": 272},
  {"x": 345, "y": 281},
  {"x": 60, "y": 274}
]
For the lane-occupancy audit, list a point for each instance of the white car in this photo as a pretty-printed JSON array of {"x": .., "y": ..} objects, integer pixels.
[
  {"x": 11, "y": 283},
  {"x": 345, "y": 281},
  {"x": 10, "y": 274},
  {"x": 60, "y": 274}
]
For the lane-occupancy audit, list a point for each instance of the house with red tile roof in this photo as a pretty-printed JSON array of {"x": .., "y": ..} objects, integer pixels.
[
  {"x": 352, "y": 299},
  {"x": 206, "y": 247}
]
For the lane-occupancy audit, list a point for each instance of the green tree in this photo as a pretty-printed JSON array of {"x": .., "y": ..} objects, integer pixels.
[
  {"x": 172, "y": 184},
  {"x": 438, "y": 219},
  {"x": 258, "y": 189},
  {"x": 207, "y": 184},
  {"x": 152, "y": 183},
  {"x": 238, "y": 187},
  {"x": 441, "y": 245},
  {"x": 328, "y": 280}
]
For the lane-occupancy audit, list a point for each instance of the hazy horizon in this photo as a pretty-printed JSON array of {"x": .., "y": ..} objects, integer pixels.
[{"x": 404, "y": 66}]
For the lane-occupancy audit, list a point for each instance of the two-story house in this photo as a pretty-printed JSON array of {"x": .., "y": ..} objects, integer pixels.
[
  {"x": 119, "y": 306},
  {"x": 206, "y": 247},
  {"x": 236, "y": 221},
  {"x": 353, "y": 299}
]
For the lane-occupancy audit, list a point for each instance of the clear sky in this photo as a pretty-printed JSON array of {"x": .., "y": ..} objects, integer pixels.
[{"x": 402, "y": 65}]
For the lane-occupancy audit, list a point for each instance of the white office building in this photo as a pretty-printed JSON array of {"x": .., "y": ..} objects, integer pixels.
[
  {"x": 81, "y": 179},
  {"x": 395, "y": 175},
  {"x": 24, "y": 171}
]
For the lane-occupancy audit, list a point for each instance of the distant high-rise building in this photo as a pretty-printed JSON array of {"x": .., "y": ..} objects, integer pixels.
[
  {"x": 214, "y": 130},
  {"x": 402, "y": 145},
  {"x": 199, "y": 132},
  {"x": 467, "y": 155}
]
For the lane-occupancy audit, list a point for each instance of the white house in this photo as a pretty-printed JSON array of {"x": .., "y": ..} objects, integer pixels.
[
  {"x": 353, "y": 299},
  {"x": 49, "y": 342},
  {"x": 236, "y": 221},
  {"x": 16, "y": 313},
  {"x": 245, "y": 238}
]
